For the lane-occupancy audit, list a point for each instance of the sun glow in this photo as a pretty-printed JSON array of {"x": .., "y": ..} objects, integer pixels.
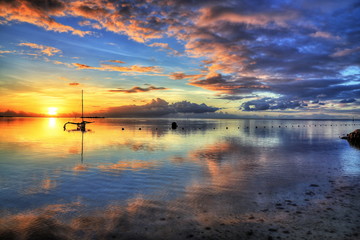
[{"x": 52, "y": 111}]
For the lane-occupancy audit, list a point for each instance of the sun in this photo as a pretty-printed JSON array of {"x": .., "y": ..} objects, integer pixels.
[{"x": 52, "y": 111}]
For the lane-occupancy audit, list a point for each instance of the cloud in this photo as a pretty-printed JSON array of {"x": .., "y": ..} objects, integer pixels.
[
  {"x": 83, "y": 66},
  {"x": 348, "y": 100},
  {"x": 39, "y": 13},
  {"x": 230, "y": 85},
  {"x": 138, "y": 89},
  {"x": 88, "y": 23},
  {"x": 116, "y": 61},
  {"x": 50, "y": 51},
  {"x": 6, "y": 51},
  {"x": 214, "y": 14},
  {"x": 181, "y": 75},
  {"x": 234, "y": 97},
  {"x": 114, "y": 68},
  {"x": 345, "y": 52},
  {"x": 59, "y": 63},
  {"x": 243, "y": 47},
  {"x": 165, "y": 46},
  {"x": 158, "y": 108},
  {"x": 11, "y": 113},
  {"x": 133, "y": 68},
  {"x": 271, "y": 104},
  {"x": 326, "y": 35},
  {"x": 74, "y": 84}
]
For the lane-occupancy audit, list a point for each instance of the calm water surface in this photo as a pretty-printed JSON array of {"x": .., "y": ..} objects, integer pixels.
[{"x": 206, "y": 169}]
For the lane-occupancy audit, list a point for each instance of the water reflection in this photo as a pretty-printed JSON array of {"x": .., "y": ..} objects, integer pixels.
[
  {"x": 157, "y": 180},
  {"x": 52, "y": 122}
]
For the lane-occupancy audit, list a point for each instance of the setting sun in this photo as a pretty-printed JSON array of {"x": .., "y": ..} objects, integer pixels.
[{"x": 52, "y": 111}]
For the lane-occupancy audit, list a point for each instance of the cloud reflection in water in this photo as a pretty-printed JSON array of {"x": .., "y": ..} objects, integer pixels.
[{"x": 151, "y": 183}]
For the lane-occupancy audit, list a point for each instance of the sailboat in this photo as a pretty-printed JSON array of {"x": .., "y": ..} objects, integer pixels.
[{"x": 81, "y": 126}]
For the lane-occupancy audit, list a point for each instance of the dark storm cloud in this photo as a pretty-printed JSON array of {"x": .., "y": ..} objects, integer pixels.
[{"x": 158, "y": 108}]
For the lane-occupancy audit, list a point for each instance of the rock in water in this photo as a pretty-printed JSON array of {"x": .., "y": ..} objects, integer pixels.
[
  {"x": 354, "y": 138},
  {"x": 174, "y": 125}
]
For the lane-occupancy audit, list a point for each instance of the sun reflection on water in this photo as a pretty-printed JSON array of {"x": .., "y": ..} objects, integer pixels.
[{"x": 52, "y": 122}]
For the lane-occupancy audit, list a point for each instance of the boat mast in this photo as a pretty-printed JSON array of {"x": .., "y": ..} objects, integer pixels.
[{"x": 82, "y": 105}]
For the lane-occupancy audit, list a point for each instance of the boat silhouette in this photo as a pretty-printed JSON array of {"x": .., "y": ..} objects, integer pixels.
[{"x": 80, "y": 126}]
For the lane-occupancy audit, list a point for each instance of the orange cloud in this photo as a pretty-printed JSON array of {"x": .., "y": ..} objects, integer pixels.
[
  {"x": 116, "y": 61},
  {"x": 106, "y": 16},
  {"x": 50, "y": 51},
  {"x": 88, "y": 23},
  {"x": 181, "y": 75},
  {"x": 83, "y": 66},
  {"x": 224, "y": 57},
  {"x": 210, "y": 15},
  {"x": 165, "y": 46},
  {"x": 133, "y": 68},
  {"x": 108, "y": 67},
  {"x": 38, "y": 13},
  {"x": 74, "y": 84},
  {"x": 5, "y": 51}
]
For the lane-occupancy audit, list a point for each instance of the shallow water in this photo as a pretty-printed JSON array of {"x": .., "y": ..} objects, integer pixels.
[{"x": 106, "y": 178}]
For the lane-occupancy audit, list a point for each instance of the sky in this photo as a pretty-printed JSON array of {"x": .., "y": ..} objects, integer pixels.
[{"x": 147, "y": 58}]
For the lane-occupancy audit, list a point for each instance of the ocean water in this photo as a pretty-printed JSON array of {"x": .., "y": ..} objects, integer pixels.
[{"x": 149, "y": 179}]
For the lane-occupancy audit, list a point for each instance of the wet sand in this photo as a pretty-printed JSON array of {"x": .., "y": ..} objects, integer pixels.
[{"x": 333, "y": 213}]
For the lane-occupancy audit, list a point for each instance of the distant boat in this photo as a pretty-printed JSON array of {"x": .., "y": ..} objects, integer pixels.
[{"x": 81, "y": 126}]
